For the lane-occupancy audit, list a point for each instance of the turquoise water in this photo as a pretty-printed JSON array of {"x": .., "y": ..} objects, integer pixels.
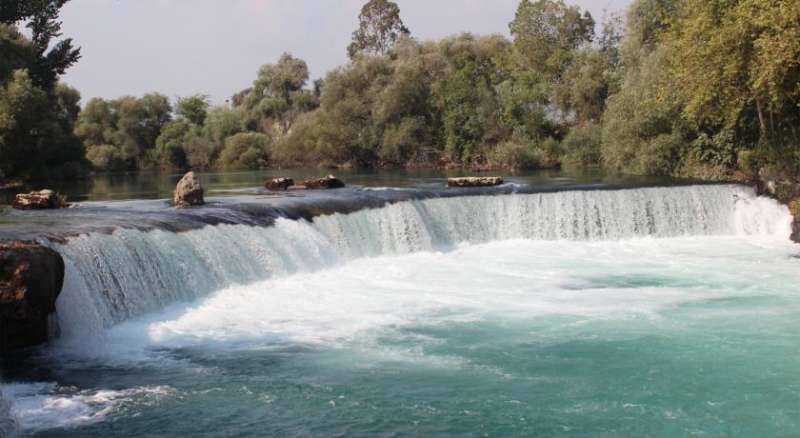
[{"x": 640, "y": 337}]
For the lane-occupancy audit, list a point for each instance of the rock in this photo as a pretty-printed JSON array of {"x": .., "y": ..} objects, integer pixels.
[
  {"x": 279, "y": 183},
  {"x": 31, "y": 277},
  {"x": 41, "y": 200},
  {"x": 475, "y": 181},
  {"x": 189, "y": 191},
  {"x": 777, "y": 184},
  {"x": 328, "y": 182}
]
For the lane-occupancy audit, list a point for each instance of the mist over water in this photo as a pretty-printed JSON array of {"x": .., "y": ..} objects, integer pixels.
[{"x": 660, "y": 312}]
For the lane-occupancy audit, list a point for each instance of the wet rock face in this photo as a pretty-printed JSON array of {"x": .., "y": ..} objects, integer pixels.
[
  {"x": 41, "y": 200},
  {"x": 31, "y": 277},
  {"x": 279, "y": 184},
  {"x": 328, "y": 182},
  {"x": 475, "y": 181},
  {"x": 785, "y": 188},
  {"x": 188, "y": 192}
]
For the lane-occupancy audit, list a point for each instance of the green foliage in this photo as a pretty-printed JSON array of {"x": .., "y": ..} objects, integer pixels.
[
  {"x": 379, "y": 28},
  {"x": 49, "y": 60},
  {"x": 36, "y": 129},
  {"x": 582, "y": 146},
  {"x": 516, "y": 156},
  {"x": 193, "y": 109},
  {"x": 246, "y": 151},
  {"x": 223, "y": 122},
  {"x": 169, "y": 151},
  {"x": 277, "y": 96},
  {"x": 643, "y": 131},
  {"x": 546, "y": 33},
  {"x": 131, "y": 125},
  {"x": 743, "y": 77}
]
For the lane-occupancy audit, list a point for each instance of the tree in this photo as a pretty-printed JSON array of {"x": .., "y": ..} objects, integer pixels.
[
  {"x": 130, "y": 125},
  {"x": 546, "y": 33},
  {"x": 744, "y": 75},
  {"x": 36, "y": 129},
  {"x": 245, "y": 151},
  {"x": 193, "y": 109},
  {"x": 52, "y": 59},
  {"x": 379, "y": 27},
  {"x": 278, "y": 95}
]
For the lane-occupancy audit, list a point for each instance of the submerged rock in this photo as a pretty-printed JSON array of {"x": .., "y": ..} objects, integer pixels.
[
  {"x": 31, "y": 277},
  {"x": 328, "y": 182},
  {"x": 189, "y": 191},
  {"x": 475, "y": 181},
  {"x": 279, "y": 183},
  {"x": 41, "y": 200}
]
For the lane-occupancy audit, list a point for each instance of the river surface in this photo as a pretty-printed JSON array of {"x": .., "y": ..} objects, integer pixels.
[
  {"x": 160, "y": 185},
  {"x": 659, "y": 311}
]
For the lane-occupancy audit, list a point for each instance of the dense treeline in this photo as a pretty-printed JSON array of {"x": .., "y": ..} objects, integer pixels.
[{"x": 680, "y": 87}]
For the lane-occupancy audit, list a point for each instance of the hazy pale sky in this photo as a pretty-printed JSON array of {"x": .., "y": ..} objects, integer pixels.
[{"x": 183, "y": 47}]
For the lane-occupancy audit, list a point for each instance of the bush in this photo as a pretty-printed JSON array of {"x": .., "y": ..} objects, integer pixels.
[
  {"x": 517, "y": 156},
  {"x": 245, "y": 151},
  {"x": 105, "y": 157},
  {"x": 581, "y": 146}
]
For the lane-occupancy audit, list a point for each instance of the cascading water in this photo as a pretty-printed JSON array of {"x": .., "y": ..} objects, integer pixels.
[
  {"x": 636, "y": 312},
  {"x": 111, "y": 278}
]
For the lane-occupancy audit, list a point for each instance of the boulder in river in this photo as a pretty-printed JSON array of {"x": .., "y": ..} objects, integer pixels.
[
  {"x": 279, "y": 184},
  {"x": 328, "y": 182},
  {"x": 189, "y": 191},
  {"x": 31, "y": 277},
  {"x": 475, "y": 181},
  {"x": 41, "y": 200}
]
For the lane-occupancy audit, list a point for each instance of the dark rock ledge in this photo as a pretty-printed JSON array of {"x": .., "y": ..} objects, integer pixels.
[{"x": 31, "y": 277}]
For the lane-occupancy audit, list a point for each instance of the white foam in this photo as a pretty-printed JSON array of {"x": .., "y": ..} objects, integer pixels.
[
  {"x": 355, "y": 304},
  {"x": 43, "y": 405},
  {"x": 113, "y": 278}
]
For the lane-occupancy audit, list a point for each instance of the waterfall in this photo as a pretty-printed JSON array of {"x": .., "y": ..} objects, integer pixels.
[{"x": 117, "y": 276}]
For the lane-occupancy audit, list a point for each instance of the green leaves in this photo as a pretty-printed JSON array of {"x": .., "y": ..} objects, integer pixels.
[{"x": 379, "y": 28}]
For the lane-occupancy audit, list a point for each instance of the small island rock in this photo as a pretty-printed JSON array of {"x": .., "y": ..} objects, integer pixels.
[
  {"x": 328, "y": 182},
  {"x": 41, "y": 200},
  {"x": 475, "y": 181},
  {"x": 189, "y": 191},
  {"x": 279, "y": 183}
]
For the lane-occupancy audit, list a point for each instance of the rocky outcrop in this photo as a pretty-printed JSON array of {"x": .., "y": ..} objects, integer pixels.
[
  {"x": 785, "y": 188},
  {"x": 188, "y": 192},
  {"x": 475, "y": 181},
  {"x": 41, "y": 200},
  {"x": 31, "y": 277},
  {"x": 328, "y": 182},
  {"x": 277, "y": 184}
]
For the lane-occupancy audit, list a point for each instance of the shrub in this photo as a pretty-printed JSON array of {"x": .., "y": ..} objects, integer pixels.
[
  {"x": 516, "y": 155},
  {"x": 581, "y": 146},
  {"x": 245, "y": 151},
  {"x": 105, "y": 157}
]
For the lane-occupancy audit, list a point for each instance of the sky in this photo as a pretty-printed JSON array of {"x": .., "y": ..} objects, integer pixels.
[{"x": 214, "y": 47}]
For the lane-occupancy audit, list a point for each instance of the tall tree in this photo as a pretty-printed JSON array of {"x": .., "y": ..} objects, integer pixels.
[
  {"x": 546, "y": 34},
  {"x": 52, "y": 59},
  {"x": 379, "y": 27},
  {"x": 746, "y": 72},
  {"x": 278, "y": 94}
]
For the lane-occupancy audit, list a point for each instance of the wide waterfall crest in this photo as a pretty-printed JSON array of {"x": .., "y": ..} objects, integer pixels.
[{"x": 111, "y": 278}]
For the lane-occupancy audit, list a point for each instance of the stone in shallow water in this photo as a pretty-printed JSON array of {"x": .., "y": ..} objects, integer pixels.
[
  {"x": 475, "y": 181},
  {"x": 328, "y": 182},
  {"x": 279, "y": 183},
  {"x": 189, "y": 191},
  {"x": 41, "y": 200}
]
